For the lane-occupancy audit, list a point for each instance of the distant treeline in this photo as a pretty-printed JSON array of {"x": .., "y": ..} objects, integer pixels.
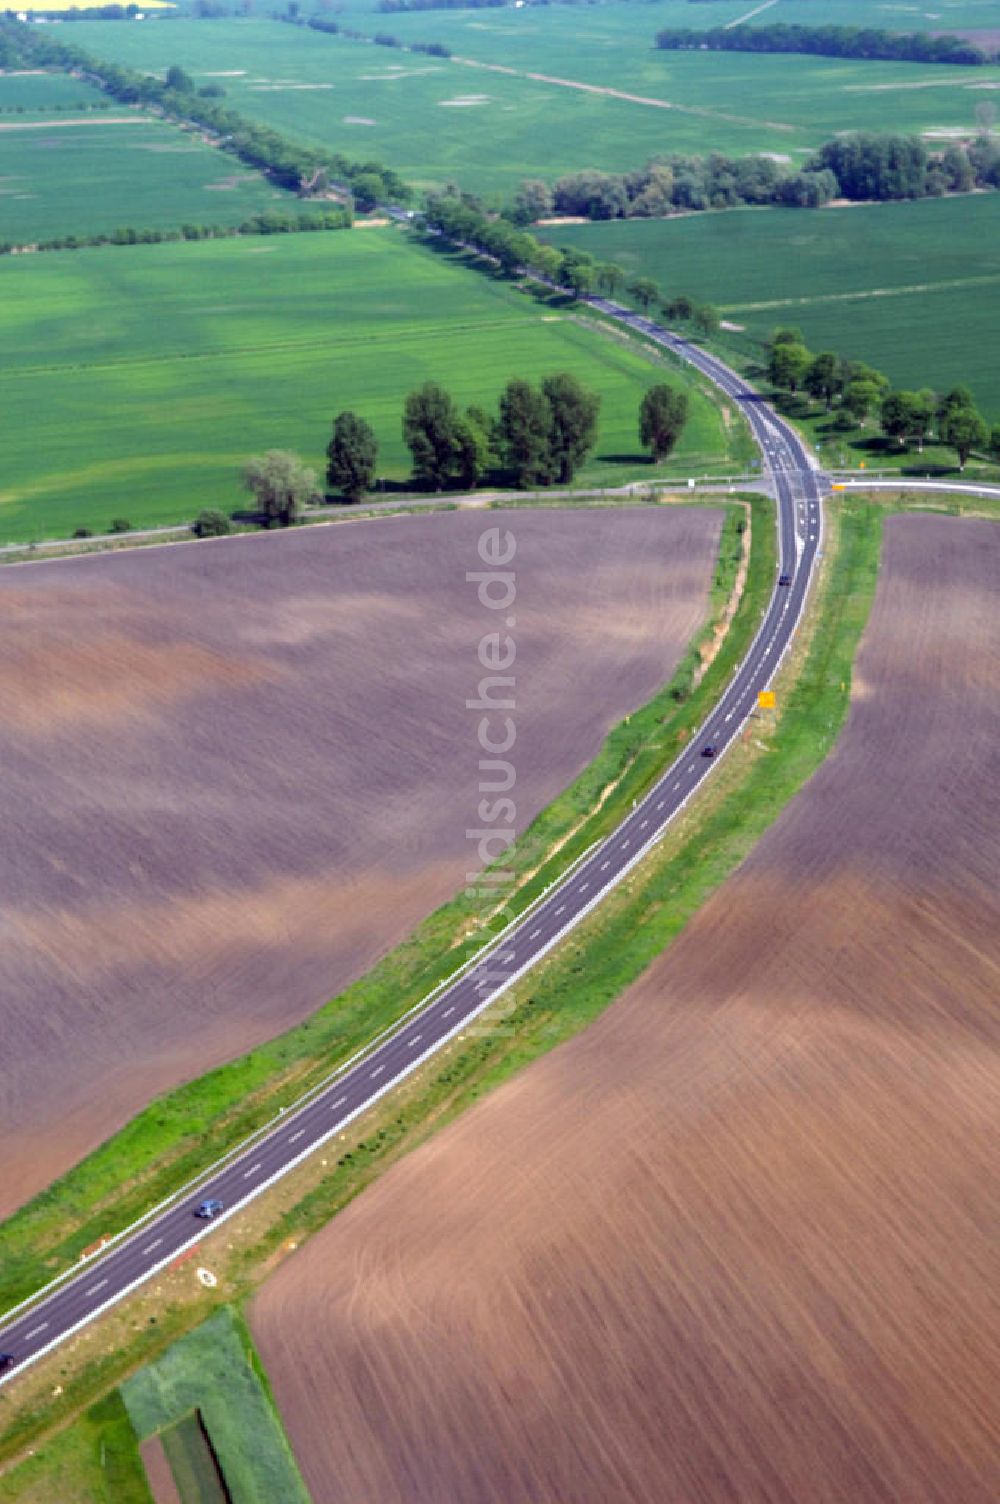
[
  {"x": 301, "y": 169},
  {"x": 91, "y": 13},
  {"x": 381, "y": 38},
  {"x": 270, "y": 222},
  {"x": 861, "y": 167},
  {"x": 867, "y": 42},
  {"x": 462, "y": 220},
  {"x": 389, "y": 7}
]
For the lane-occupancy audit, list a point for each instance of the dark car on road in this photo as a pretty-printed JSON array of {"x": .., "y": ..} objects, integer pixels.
[
  {"x": 708, "y": 750},
  {"x": 7, "y": 1360},
  {"x": 784, "y": 579},
  {"x": 208, "y": 1209}
]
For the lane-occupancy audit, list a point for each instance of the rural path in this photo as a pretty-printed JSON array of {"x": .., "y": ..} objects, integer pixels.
[{"x": 135, "y": 1255}]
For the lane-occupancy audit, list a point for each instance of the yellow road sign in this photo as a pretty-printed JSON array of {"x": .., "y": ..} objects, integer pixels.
[{"x": 767, "y": 699}]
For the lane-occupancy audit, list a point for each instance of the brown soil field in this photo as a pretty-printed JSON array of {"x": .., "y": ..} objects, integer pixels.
[
  {"x": 740, "y": 1239},
  {"x": 237, "y": 772},
  {"x": 158, "y": 1472}
]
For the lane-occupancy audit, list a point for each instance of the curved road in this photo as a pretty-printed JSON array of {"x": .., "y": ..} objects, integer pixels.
[{"x": 139, "y": 1253}]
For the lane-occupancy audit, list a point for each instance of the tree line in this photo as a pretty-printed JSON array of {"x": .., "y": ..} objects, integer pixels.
[
  {"x": 461, "y": 219},
  {"x": 301, "y": 169},
  {"x": 380, "y": 38},
  {"x": 869, "y": 42},
  {"x": 856, "y": 393},
  {"x": 539, "y": 436},
  {"x": 269, "y": 222},
  {"x": 861, "y": 166}
]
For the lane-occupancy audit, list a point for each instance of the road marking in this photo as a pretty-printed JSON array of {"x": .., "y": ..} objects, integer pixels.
[
  {"x": 252, "y": 1170},
  {"x": 296, "y": 1135},
  {"x": 606, "y": 864},
  {"x": 378, "y": 1070},
  {"x": 35, "y": 1331},
  {"x": 661, "y": 804},
  {"x": 99, "y": 1286},
  {"x": 584, "y": 887},
  {"x": 643, "y": 825},
  {"x": 448, "y": 1011},
  {"x": 533, "y": 934},
  {"x": 154, "y": 1244},
  {"x": 624, "y": 844},
  {"x": 339, "y": 1103},
  {"x": 678, "y": 783},
  {"x": 415, "y": 1040},
  {"x": 560, "y": 909}
]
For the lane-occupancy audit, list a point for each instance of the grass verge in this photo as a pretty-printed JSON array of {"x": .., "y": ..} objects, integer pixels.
[
  {"x": 94, "y": 1461},
  {"x": 183, "y": 1132},
  {"x": 214, "y": 1374}
]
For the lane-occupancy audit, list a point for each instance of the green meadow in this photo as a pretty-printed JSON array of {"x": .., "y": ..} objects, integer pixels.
[
  {"x": 137, "y": 380},
  {"x": 116, "y": 168},
  {"x": 912, "y": 288},
  {"x": 33, "y": 93},
  {"x": 473, "y": 119}
]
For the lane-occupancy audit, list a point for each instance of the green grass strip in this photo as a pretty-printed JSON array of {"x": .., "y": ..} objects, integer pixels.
[
  {"x": 94, "y": 1461},
  {"x": 214, "y": 1371},
  {"x": 183, "y": 1132}
]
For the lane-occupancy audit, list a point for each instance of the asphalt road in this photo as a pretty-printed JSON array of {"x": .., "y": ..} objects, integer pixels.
[{"x": 104, "y": 1279}]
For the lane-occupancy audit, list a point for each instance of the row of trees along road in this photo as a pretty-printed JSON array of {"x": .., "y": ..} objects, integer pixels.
[
  {"x": 857, "y": 392},
  {"x": 540, "y": 436}
]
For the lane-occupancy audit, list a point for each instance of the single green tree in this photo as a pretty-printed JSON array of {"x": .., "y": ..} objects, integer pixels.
[
  {"x": 573, "y": 423},
  {"x": 787, "y": 365},
  {"x": 431, "y": 432},
  {"x": 995, "y": 442},
  {"x": 822, "y": 378},
  {"x": 352, "y": 455},
  {"x": 211, "y": 523},
  {"x": 964, "y": 430},
  {"x": 576, "y": 272},
  {"x": 477, "y": 446},
  {"x": 645, "y": 292},
  {"x": 662, "y": 415},
  {"x": 526, "y": 434},
  {"x": 860, "y": 398},
  {"x": 706, "y": 319},
  {"x": 610, "y": 277},
  {"x": 908, "y": 415},
  {"x": 280, "y": 484},
  {"x": 179, "y": 81}
]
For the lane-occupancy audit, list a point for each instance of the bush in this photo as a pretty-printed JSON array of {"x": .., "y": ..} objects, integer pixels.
[
  {"x": 211, "y": 523},
  {"x": 83, "y": 532},
  {"x": 121, "y": 525}
]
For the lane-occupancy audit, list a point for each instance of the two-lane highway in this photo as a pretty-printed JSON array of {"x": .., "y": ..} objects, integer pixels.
[{"x": 141, "y": 1252}]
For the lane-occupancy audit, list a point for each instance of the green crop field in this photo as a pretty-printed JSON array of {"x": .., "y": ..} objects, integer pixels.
[
  {"x": 34, "y": 93},
  {"x": 91, "y": 174},
  {"x": 432, "y": 118},
  {"x": 137, "y": 380},
  {"x": 913, "y": 288},
  {"x": 214, "y": 1370},
  {"x": 890, "y": 15}
]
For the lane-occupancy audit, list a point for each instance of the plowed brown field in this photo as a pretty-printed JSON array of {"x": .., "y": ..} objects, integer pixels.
[
  {"x": 236, "y": 773},
  {"x": 740, "y": 1240}
]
